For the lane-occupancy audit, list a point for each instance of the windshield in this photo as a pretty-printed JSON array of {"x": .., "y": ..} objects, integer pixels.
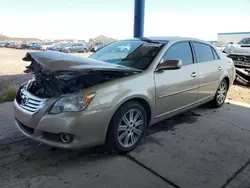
[
  {"x": 135, "y": 54},
  {"x": 245, "y": 41}
]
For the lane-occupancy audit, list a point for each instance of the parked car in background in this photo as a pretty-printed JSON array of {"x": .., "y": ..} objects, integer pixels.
[
  {"x": 240, "y": 54},
  {"x": 2, "y": 44},
  {"x": 93, "y": 45},
  {"x": 97, "y": 47},
  {"x": 113, "y": 96},
  {"x": 24, "y": 46},
  {"x": 62, "y": 46},
  {"x": 46, "y": 46},
  {"x": 221, "y": 47},
  {"x": 17, "y": 45},
  {"x": 56, "y": 47},
  {"x": 35, "y": 46},
  {"x": 9, "y": 44},
  {"x": 75, "y": 47}
]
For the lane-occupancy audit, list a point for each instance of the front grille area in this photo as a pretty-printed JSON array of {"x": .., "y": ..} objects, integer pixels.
[
  {"x": 236, "y": 57},
  {"x": 240, "y": 61},
  {"x": 28, "y": 101}
]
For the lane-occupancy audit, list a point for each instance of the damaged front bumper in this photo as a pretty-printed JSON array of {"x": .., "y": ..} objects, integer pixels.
[
  {"x": 86, "y": 128},
  {"x": 242, "y": 65}
]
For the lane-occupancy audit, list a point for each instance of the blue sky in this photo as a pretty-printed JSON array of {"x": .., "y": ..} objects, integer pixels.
[{"x": 83, "y": 19}]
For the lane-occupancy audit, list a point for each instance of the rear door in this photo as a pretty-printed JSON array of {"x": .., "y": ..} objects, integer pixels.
[{"x": 209, "y": 70}]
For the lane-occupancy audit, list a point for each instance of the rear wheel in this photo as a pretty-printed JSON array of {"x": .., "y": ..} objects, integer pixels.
[
  {"x": 221, "y": 94},
  {"x": 84, "y": 50},
  {"x": 127, "y": 127},
  {"x": 69, "y": 51}
]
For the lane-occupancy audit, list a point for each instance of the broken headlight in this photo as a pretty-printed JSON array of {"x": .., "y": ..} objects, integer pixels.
[{"x": 73, "y": 103}]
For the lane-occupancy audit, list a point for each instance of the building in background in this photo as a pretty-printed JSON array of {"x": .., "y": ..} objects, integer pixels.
[{"x": 234, "y": 37}]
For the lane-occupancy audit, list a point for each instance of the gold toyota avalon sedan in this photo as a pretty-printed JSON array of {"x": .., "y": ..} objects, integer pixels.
[{"x": 115, "y": 94}]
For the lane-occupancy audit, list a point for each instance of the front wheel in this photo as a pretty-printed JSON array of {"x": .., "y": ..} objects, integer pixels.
[
  {"x": 127, "y": 127},
  {"x": 221, "y": 94}
]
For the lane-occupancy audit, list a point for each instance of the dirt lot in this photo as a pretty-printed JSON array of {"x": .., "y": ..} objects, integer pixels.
[{"x": 12, "y": 66}]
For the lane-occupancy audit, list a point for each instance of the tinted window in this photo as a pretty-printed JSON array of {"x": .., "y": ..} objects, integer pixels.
[
  {"x": 215, "y": 54},
  {"x": 180, "y": 51},
  {"x": 203, "y": 52},
  {"x": 139, "y": 55}
]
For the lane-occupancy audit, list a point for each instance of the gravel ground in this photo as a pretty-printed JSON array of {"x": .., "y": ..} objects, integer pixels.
[
  {"x": 239, "y": 92},
  {"x": 12, "y": 66}
]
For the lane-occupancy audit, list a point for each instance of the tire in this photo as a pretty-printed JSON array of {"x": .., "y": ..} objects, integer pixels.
[
  {"x": 84, "y": 50},
  {"x": 69, "y": 51},
  {"x": 124, "y": 134},
  {"x": 221, "y": 94}
]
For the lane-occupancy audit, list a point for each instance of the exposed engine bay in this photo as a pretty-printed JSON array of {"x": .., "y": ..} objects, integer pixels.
[{"x": 47, "y": 83}]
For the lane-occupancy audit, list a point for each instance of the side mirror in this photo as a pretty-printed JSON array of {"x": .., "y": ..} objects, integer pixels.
[{"x": 169, "y": 65}]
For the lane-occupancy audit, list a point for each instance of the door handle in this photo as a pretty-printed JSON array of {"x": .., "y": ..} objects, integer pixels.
[
  {"x": 194, "y": 74},
  {"x": 219, "y": 68}
]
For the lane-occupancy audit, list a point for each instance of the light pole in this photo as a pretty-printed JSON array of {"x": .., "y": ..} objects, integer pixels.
[{"x": 139, "y": 18}]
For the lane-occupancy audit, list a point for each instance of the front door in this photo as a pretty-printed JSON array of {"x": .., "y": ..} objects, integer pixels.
[{"x": 177, "y": 89}]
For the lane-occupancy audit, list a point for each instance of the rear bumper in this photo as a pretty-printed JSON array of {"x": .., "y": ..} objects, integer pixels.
[{"x": 89, "y": 128}]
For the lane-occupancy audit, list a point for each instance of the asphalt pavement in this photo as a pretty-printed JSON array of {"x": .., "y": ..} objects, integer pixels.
[{"x": 204, "y": 147}]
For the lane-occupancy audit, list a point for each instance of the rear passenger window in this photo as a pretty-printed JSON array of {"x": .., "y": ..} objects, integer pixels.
[
  {"x": 203, "y": 52},
  {"x": 180, "y": 51},
  {"x": 215, "y": 54}
]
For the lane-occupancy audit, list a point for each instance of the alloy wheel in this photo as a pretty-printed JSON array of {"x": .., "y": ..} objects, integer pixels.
[
  {"x": 222, "y": 93},
  {"x": 130, "y": 128}
]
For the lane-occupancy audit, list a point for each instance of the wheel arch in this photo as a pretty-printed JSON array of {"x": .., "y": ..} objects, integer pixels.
[
  {"x": 227, "y": 79},
  {"x": 140, "y": 100},
  {"x": 144, "y": 102}
]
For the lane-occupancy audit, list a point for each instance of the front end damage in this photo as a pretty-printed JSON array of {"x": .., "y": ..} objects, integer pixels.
[
  {"x": 50, "y": 108},
  {"x": 56, "y": 74},
  {"x": 240, "y": 54},
  {"x": 242, "y": 66}
]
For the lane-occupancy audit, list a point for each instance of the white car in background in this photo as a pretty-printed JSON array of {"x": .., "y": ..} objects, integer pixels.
[
  {"x": 46, "y": 46},
  {"x": 240, "y": 54},
  {"x": 221, "y": 47},
  {"x": 242, "y": 47}
]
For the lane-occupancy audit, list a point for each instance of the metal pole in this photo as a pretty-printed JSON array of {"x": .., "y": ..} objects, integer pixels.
[{"x": 139, "y": 18}]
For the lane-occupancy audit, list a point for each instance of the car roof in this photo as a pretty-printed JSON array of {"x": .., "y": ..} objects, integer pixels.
[{"x": 168, "y": 39}]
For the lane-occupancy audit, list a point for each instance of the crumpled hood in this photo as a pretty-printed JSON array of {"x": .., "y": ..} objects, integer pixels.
[
  {"x": 57, "y": 61},
  {"x": 237, "y": 49}
]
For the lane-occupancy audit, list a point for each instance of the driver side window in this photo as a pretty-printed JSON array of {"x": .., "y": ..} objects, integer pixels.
[{"x": 179, "y": 51}]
